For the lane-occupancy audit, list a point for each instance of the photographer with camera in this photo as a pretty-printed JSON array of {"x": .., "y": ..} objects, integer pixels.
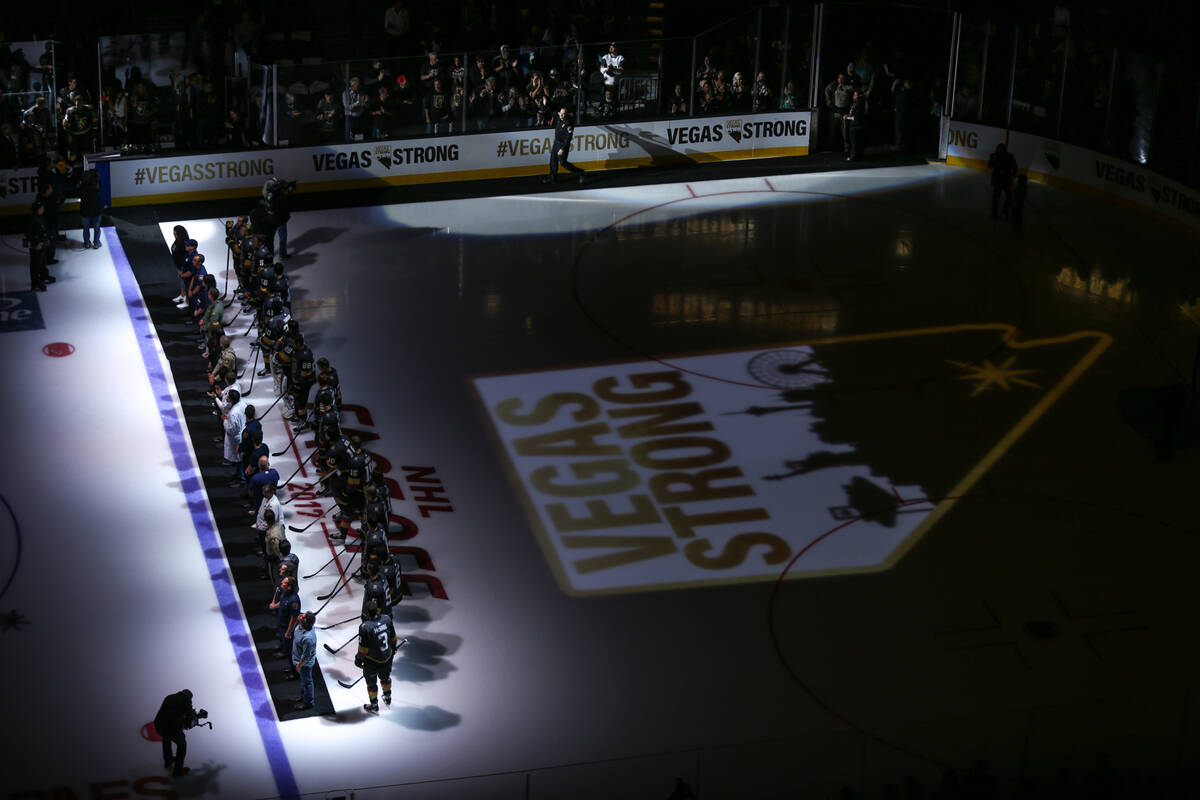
[
  {"x": 40, "y": 241},
  {"x": 275, "y": 192},
  {"x": 174, "y": 716}
]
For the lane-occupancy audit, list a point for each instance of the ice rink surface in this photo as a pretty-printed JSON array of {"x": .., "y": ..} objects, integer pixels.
[{"x": 617, "y": 418}]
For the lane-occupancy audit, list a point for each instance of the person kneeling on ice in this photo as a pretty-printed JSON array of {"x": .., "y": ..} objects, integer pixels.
[
  {"x": 377, "y": 647},
  {"x": 175, "y": 715}
]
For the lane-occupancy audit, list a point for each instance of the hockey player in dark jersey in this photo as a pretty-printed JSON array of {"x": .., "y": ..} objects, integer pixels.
[
  {"x": 285, "y": 353},
  {"x": 376, "y": 589},
  {"x": 374, "y": 543},
  {"x": 272, "y": 330},
  {"x": 282, "y": 287},
  {"x": 377, "y": 645},
  {"x": 323, "y": 368},
  {"x": 389, "y": 570},
  {"x": 301, "y": 379},
  {"x": 383, "y": 494},
  {"x": 374, "y": 510},
  {"x": 328, "y": 427}
]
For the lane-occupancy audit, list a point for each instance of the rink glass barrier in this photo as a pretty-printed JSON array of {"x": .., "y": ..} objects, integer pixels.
[
  {"x": 1073, "y": 76},
  {"x": 522, "y": 152}
]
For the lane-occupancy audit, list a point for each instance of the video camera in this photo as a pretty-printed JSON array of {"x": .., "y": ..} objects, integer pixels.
[
  {"x": 278, "y": 186},
  {"x": 196, "y": 720}
]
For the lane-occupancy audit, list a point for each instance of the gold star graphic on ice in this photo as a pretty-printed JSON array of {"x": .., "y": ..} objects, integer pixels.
[{"x": 988, "y": 374}]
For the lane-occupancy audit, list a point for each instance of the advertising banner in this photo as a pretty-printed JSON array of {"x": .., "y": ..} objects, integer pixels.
[
  {"x": 463, "y": 157},
  {"x": 18, "y": 189},
  {"x": 1077, "y": 169}
]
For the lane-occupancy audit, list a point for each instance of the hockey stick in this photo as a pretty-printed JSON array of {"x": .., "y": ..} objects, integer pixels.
[
  {"x": 302, "y": 463},
  {"x": 243, "y": 372},
  {"x": 253, "y": 374},
  {"x": 228, "y": 257},
  {"x": 350, "y": 685},
  {"x": 330, "y": 561},
  {"x": 343, "y": 644},
  {"x": 327, "y": 597},
  {"x": 294, "y": 529},
  {"x": 268, "y": 411},
  {"x": 343, "y": 622},
  {"x": 289, "y": 444},
  {"x": 247, "y": 333}
]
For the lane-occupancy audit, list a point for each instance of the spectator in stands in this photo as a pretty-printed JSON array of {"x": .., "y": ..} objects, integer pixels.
[
  {"x": 356, "y": 105},
  {"x": 118, "y": 110},
  {"x": 855, "y": 119},
  {"x": 291, "y": 120},
  {"x": 608, "y": 104},
  {"x": 478, "y": 74},
  {"x": 527, "y": 55},
  {"x": 396, "y": 24},
  {"x": 383, "y": 114},
  {"x": 437, "y": 110},
  {"x": 787, "y": 102},
  {"x": 36, "y": 128},
  {"x": 77, "y": 123},
  {"x": 458, "y": 70},
  {"x": 852, "y": 78},
  {"x": 539, "y": 98},
  {"x": 484, "y": 105},
  {"x": 431, "y": 69},
  {"x": 738, "y": 96},
  {"x": 864, "y": 72},
  {"x": 707, "y": 71},
  {"x": 571, "y": 51},
  {"x": 256, "y": 119},
  {"x": 235, "y": 130},
  {"x": 761, "y": 94},
  {"x": 838, "y": 97},
  {"x": 209, "y": 115},
  {"x": 679, "y": 102},
  {"x": 329, "y": 117},
  {"x": 245, "y": 36},
  {"x": 507, "y": 71},
  {"x": 458, "y": 95},
  {"x": 183, "y": 110},
  {"x": 720, "y": 91},
  {"x": 706, "y": 102},
  {"x": 612, "y": 66},
  {"x": 408, "y": 105}
]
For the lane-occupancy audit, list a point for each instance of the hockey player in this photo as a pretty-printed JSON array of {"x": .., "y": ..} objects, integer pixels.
[
  {"x": 377, "y": 645},
  {"x": 376, "y": 589},
  {"x": 373, "y": 538},
  {"x": 389, "y": 570},
  {"x": 383, "y": 494},
  {"x": 285, "y": 354},
  {"x": 332, "y": 376},
  {"x": 301, "y": 379},
  {"x": 328, "y": 428},
  {"x": 375, "y": 511}
]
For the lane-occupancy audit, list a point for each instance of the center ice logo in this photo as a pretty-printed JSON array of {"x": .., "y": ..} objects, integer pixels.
[
  {"x": 19, "y": 311},
  {"x": 719, "y": 468}
]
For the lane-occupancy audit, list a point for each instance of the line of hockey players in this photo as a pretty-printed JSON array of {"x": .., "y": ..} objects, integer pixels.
[{"x": 347, "y": 471}]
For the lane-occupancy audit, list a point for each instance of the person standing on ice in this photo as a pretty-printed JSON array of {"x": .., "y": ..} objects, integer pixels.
[
  {"x": 234, "y": 419},
  {"x": 376, "y": 648}
]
